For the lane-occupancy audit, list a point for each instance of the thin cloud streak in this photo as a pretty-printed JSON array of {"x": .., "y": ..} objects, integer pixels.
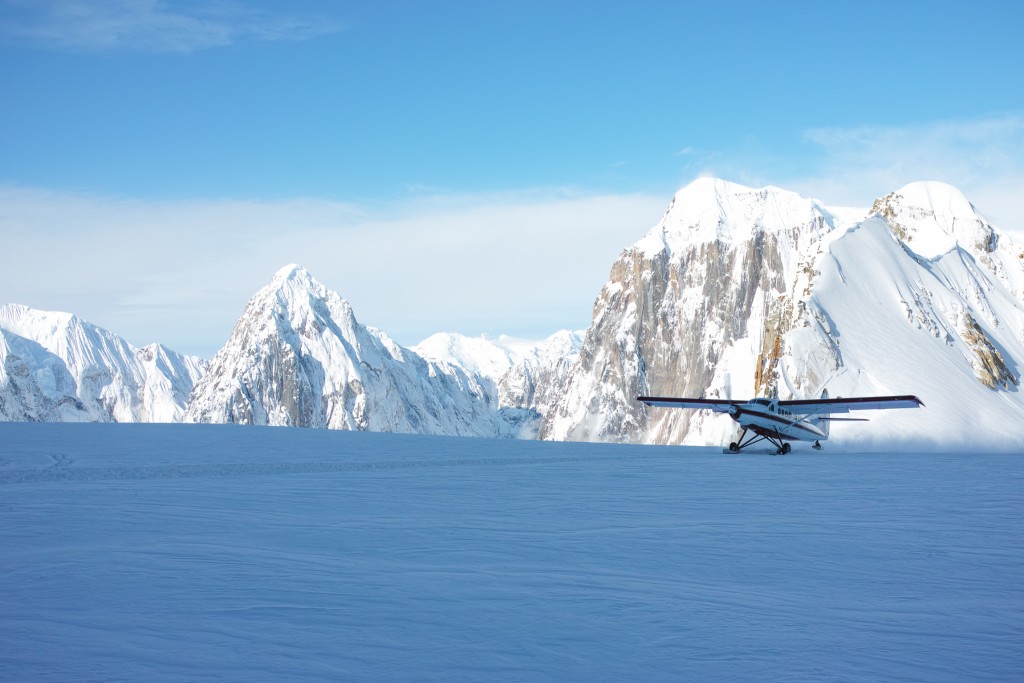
[{"x": 150, "y": 25}]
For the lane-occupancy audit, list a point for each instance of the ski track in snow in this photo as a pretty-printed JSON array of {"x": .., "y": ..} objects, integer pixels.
[{"x": 195, "y": 552}]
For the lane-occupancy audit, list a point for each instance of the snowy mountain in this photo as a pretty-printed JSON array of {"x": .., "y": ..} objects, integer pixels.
[
  {"x": 741, "y": 292},
  {"x": 487, "y": 358},
  {"x": 530, "y": 383},
  {"x": 736, "y": 292},
  {"x": 517, "y": 374},
  {"x": 56, "y": 367},
  {"x": 299, "y": 357}
]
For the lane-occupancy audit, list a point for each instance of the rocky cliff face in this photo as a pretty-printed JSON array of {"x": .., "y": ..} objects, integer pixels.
[
  {"x": 710, "y": 279},
  {"x": 56, "y": 367},
  {"x": 740, "y": 292},
  {"x": 299, "y": 357}
]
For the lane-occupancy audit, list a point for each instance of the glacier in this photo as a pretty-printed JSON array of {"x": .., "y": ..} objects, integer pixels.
[{"x": 221, "y": 552}]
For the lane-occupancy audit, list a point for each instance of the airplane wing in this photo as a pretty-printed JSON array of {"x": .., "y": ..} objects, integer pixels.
[
  {"x": 825, "y": 406},
  {"x": 719, "y": 406}
]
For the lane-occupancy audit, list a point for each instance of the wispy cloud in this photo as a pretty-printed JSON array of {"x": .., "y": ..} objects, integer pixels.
[
  {"x": 853, "y": 166},
  {"x": 522, "y": 263},
  {"x": 983, "y": 157},
  {"x": 150, "y": 25},
  {"x": 696, "y": 161}
]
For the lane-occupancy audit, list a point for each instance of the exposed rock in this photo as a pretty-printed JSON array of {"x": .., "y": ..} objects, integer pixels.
[{"x": 988, "y": 362}]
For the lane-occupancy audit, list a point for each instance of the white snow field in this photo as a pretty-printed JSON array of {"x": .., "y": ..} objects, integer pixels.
[{"x": 208, "y": 552}]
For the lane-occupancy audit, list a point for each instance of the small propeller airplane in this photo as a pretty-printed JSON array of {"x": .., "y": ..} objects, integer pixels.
[{"x": 778, "y": 422}]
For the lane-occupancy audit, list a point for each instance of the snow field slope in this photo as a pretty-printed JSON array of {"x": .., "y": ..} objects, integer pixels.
[
  {"x": 212, "y": 552},
  {"x": 904, "y": 324}
]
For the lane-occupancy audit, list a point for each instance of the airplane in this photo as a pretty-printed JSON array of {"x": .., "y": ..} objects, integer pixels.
[{"x": 778, "y": 422}]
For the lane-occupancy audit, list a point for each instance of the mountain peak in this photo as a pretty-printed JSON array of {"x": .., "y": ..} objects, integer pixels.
[
  {"x": 294, "y": 289},
  {"x": 295, "y": 276},
  {"x": 932, "y": 218},
  {"x": 289, "y": 272},
  {"x": 939, "y": 197},
  {"x": 715, "y": 210}
]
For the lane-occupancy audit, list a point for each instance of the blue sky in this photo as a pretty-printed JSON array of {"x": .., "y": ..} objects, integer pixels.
[{"x": 160, "y": 160}]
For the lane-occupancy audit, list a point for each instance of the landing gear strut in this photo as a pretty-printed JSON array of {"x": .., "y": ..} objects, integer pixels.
[{"x": 776, "y": 440}]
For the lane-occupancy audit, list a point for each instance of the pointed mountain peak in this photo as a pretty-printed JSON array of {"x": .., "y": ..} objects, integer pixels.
[
  {"x": 295, "y": 301},
  {"x": 293, "y": 286},
  {"x": 295, "y": 276},
  {"x": 290, "y": 272},
  {"x": 932, "y": 218}
]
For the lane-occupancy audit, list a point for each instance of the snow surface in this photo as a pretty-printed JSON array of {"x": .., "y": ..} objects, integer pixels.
[
  {"x": 896, "y": 323},
  {"x": 212, "y": 552}
]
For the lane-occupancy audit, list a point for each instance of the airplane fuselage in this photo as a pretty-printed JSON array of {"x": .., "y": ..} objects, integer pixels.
[{"x": 765, "y": 417}]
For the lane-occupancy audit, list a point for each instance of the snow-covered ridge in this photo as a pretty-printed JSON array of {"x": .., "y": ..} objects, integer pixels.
[
  {"x": 489, "y": 358},
  {"x": 56, "y": 367},
  {"x": 493, "y": 358}
]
